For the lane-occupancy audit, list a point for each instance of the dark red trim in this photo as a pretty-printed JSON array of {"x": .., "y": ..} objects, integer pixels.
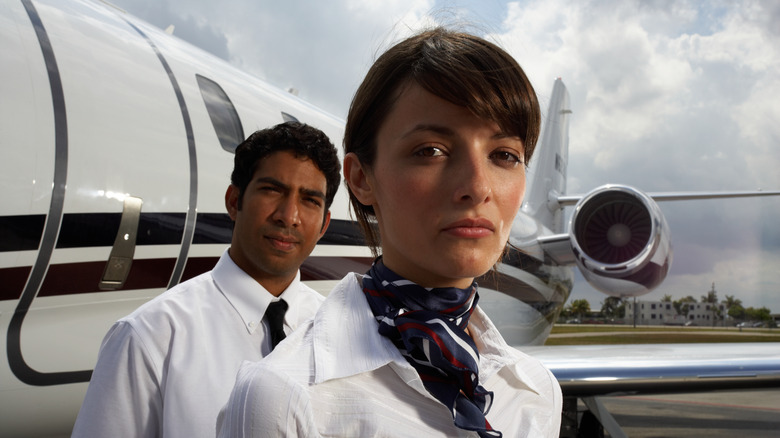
[
  {"x": 12, "y": 281},
  {"x": 333, "y": 268},
  {"x": 198, "y": 265},
  {"x": 79, "y": 278}
]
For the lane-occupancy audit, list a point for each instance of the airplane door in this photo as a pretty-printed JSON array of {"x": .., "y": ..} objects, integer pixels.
[{"x": 97, "y": 146}]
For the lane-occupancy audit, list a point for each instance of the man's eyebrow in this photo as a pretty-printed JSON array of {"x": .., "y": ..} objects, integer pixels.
[
  {"x": 312, "y": 192},
  {"x": 303, "y": 190},
  {"x": 272, "y": 181}
]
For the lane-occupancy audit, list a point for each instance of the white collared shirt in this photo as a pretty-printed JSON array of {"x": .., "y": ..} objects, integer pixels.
[
  {"x": 337, "y": 376},
  {"x": 167, "y": 368}
]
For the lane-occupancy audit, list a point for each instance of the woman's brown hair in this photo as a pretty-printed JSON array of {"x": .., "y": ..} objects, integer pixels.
[{"x": 461, "y": 68}]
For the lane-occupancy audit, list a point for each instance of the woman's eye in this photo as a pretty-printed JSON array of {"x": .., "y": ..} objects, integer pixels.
[
  {"x": 429, "y": 151},
  {"x": 506, "y": 158}
]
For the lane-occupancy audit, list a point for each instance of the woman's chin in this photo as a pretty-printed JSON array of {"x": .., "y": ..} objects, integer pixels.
[{"x": 471, "y": 268}]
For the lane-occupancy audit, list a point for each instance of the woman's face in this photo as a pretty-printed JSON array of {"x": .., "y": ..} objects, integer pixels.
[{"x": 445, "y": 186}]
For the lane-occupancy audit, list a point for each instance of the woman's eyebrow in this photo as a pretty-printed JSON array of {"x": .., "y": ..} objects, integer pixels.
[
  {"x": 449, "y": 132},
  {"x": 427, "y": 127}
]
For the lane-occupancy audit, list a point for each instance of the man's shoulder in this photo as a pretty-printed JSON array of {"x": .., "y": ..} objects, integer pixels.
[
  {"x": 176, "y": 300},
  {"x": 310, "y": 292}
]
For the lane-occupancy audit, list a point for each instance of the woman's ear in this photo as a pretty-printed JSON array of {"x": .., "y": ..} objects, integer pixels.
[{"x": 359, "y": 179}]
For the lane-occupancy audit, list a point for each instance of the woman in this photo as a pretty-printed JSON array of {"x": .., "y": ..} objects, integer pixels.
[{"x": 436, "y": 143}]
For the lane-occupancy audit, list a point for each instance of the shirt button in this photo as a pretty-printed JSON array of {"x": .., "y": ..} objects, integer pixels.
[{"x": 252, "y": 324}]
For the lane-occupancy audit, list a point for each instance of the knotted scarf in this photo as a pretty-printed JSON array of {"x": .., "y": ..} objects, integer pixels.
[{"x": 428, "y": 327}]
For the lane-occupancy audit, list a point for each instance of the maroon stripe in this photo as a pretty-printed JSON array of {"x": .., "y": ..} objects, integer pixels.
[
  {"x": 333, "y": 268},
  {"x": 78, "y": 278},
  {"x": 198, "y": 265},
  {"x": 12, "y": 281}
]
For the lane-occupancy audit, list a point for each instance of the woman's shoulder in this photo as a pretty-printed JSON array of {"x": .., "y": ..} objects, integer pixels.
[
  {"x": 265, "y": 401},
  {"x": 269, "y": 377},
  {"x": 275, "y": 378}
]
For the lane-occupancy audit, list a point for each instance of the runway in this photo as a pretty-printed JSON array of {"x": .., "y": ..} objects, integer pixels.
[{"x": 746, "y": 414}]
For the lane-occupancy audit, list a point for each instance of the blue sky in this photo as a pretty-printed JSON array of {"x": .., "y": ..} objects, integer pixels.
[{"x": 666, "y": 96}]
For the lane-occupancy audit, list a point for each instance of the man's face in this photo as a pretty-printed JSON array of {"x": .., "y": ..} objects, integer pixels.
[{"x": 280, "y": 220}]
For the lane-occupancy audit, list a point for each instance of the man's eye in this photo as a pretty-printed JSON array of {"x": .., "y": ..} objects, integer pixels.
[{"x": 314, "y": 201}]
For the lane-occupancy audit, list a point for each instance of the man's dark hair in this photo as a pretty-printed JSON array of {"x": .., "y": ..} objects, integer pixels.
[{"x": 298, "y": 138}]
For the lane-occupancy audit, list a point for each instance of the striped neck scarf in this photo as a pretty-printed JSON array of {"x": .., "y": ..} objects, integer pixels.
[{"x": 428, "y": 327}]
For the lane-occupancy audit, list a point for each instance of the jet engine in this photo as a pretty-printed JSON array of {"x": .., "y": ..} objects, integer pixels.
[{"x": 620, "y": 240}]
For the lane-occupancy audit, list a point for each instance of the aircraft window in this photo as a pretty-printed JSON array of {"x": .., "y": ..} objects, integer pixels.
[{"x": 222, "y": 113}]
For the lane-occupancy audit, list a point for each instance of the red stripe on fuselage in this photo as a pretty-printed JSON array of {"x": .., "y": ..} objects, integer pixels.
[{"x": 84, "y": 277}]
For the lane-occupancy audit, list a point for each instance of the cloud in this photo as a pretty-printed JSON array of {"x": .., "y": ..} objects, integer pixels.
[
  {"x": 653, "y": 86},
  {"x": 666, "y": 95},
  {"x": 750, "y": 276},
  {"x": 322, "y": 49},
  {"x": 189, "y": 26},
  {"x": 670, "y": 96}
]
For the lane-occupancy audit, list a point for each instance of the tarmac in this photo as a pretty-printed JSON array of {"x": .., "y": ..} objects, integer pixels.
[{"x": 744, "y": 414}]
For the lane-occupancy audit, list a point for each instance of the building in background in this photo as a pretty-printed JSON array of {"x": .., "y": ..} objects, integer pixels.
[{"x": 665, "y": 313}]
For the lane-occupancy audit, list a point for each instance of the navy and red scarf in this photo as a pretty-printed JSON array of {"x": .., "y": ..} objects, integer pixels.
[{"x": 428, "y": 325}]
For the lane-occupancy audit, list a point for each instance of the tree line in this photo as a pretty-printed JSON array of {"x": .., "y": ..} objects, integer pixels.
[{"x": 615, "y": 308}]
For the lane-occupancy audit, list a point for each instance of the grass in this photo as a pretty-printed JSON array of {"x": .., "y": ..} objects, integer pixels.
[{"x": 622, "y": 334}]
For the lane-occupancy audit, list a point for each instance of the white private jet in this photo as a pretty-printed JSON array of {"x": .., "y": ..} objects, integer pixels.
[{"x": 117, "y": 143}]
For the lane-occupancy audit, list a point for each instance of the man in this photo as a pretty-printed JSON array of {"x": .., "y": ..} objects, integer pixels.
[{"x": 167, "y": 368}]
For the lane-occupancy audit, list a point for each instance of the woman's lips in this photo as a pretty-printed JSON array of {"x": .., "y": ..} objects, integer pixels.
[{"x": 472, "y": 228}]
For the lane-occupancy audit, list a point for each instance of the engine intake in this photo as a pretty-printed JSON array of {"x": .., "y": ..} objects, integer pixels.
[{"x": 621, "y": 241}]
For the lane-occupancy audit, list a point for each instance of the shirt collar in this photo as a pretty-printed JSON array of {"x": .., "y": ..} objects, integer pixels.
[
  {"x": 246, "y": 295},
  {"x": 345, "y": 337},
  {"x": 494, "y": 352},
  {"x": 345, "y": 327}
]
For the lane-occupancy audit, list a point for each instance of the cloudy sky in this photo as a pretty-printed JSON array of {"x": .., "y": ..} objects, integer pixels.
[{"x": 667, "y": 96}]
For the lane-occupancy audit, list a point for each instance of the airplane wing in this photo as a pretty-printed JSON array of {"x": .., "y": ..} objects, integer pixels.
[
  {"x": 590, "y": 371},
  {"x": 567, "y": 200},
  {"x": 594, "y": 370}
]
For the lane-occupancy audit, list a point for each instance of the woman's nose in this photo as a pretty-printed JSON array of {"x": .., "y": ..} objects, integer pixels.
[{"x": 472, "y": 182}]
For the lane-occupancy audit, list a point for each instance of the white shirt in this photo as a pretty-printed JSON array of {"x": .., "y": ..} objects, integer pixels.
[
  {"x": 167, "y": 368},
  {"x": 337, "y": 376}
]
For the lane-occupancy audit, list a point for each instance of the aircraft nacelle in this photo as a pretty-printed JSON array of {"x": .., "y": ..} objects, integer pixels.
[{"x": 620, "y": 240}]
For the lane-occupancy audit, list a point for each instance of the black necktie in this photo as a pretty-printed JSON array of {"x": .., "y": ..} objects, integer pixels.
[{"x": 275, "y": 316}]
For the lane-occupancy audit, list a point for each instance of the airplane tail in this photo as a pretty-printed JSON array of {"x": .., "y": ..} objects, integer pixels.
[{"x": 547, "y": 171}]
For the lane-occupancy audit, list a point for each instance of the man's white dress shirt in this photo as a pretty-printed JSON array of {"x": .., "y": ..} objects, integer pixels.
[
  {"x": 168, "y": 368},
  {"x": 337, "y": 376}
]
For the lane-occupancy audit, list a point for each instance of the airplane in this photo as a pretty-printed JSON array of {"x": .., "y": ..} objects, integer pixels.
[{"x": 117, "y": 143}]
